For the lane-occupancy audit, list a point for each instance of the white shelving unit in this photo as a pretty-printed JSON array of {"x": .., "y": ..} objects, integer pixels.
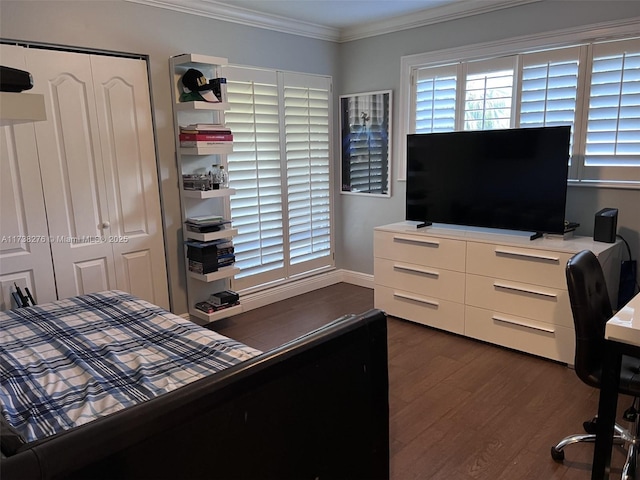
[
  {"x": 199, "y": 160},
  {"x": 21, "y": 108}
]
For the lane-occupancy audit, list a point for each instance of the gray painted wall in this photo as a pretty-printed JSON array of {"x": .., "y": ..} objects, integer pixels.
[
  {"x": 374, "y": 64},
  {"x": 357, "y": 66}
]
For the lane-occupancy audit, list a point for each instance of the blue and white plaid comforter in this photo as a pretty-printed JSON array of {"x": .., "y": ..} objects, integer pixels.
[{"x": 66, "y": 363}]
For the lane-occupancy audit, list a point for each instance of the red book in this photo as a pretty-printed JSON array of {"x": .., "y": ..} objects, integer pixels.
[{"x": 206, "y": 137}]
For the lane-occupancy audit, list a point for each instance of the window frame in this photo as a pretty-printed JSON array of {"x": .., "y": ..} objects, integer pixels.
[{"x": 601, "y": 32}]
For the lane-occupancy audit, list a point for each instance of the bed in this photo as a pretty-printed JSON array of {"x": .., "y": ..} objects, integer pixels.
[{"x": 109, "y": 386}]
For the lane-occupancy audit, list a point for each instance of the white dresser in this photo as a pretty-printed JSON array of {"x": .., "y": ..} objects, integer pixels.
[{"x": 499, "y": 288}]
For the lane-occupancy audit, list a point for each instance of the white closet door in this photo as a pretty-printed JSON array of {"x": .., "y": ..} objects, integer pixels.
[
  {"x": 25, "y": 257},
  {"x": 128, "y": 153},
  {"x": 99, "y": 174},
  {"x": 72, "y": 172}
]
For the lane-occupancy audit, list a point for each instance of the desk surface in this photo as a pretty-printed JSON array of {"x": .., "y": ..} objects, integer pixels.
[{"x": 624, "y": 326}]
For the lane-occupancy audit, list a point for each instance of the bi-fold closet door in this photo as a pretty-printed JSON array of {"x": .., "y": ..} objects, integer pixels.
[{"x": 97, "y": 169}]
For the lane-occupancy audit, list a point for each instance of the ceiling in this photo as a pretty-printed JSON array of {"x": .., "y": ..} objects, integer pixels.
[{"x": 335, "y": 20}]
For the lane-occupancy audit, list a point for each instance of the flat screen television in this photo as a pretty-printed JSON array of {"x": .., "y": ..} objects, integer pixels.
[{"x": 512, "y": 179}]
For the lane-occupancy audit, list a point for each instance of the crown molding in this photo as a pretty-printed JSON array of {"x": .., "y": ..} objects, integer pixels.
[
  {"x": 252, "y": 18},
  {"x": 229, "y": 13},
  {"x": 445, "y": 13}
]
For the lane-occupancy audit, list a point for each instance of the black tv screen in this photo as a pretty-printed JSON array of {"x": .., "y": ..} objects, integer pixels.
[{"x": 512, "y": 179}]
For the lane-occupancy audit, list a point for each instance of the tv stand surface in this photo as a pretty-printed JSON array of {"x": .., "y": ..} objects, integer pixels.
[{"x": 499, "y": 288}]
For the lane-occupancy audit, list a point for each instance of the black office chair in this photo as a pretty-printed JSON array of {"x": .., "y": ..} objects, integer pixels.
[{"x": 591, "y": 309}]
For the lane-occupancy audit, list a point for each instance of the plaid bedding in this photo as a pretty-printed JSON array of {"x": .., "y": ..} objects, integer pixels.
[{"x": 68, "y": 362}]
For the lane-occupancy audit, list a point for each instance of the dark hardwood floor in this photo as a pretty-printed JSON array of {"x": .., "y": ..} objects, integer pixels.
[{"x": 459, "y": 409}]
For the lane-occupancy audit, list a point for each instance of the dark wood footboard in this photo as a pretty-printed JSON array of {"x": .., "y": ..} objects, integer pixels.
[{"x": 315, "y": 408}]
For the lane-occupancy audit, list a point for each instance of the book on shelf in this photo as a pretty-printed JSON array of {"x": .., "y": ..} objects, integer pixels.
[
  {"x": 203, "y": 143},
  {"x": 207, "y": 257},
  {"x": 225, "y": 248},
  {"x": 220, "y": 88},
  {"x": 205, "y": 128},
  {"x": 201, "y": 248},
  {"x": 203, "y": 137},
  {"x": 202, "y": 268}
]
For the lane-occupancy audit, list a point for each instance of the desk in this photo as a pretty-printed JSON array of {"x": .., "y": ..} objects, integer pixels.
[{"x": 623, "y": 333}]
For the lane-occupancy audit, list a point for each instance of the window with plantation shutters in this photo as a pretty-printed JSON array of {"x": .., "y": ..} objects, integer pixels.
[
  {"x": 592, "y": 86},
  {"x": 435, "y": 104},
  {"x": 488, "y": 94},
  {"x": 280, "y": 171},
  {"x": 466, "y": 96},
  {"x": 612, "y": 138},
  {"x": 549, "y": 89},
  {"x": 306, "y": 122},
  {"x": 255, "y": 173}
]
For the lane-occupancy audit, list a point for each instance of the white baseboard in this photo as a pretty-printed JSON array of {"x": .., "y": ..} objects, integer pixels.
[
  {"x": 306, "y": 285},
  {"x": 357, "y": 278}
]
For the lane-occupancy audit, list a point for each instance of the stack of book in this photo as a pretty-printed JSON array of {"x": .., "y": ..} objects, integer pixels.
[
  {"x": 206, "y": 224},
  {"x": 208, "y": 257},
  {"x": 205, "y": 135}
]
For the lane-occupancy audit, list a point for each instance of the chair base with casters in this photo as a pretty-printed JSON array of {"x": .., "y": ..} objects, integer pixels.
[{"x": 621, "y": 436}]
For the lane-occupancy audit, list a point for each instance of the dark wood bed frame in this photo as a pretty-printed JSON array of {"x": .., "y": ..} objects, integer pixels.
[{"x": 316, "y": 408}]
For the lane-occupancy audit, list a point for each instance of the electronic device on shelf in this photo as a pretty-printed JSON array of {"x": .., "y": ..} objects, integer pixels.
[
  {"x": 14, "y": 80},
  {"x": 513, "y": 179}
]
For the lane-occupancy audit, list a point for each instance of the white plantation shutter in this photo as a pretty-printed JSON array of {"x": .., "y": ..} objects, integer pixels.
[
  {"x": 306, "y": 120},
  {"x": 612, "y": 140},
  {"x": 488, "y": 94},
  {"x": 255, "y": 174},
  {"x": 549, "y": 89},
  {"x": 435, "y": 104},
  {"x": 280, "y": 171}
]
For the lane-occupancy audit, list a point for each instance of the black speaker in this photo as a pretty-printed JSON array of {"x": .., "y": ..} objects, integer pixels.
[{"x": 606, "y": 225}]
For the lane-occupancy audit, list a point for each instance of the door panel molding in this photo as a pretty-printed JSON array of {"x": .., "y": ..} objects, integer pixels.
[{"x": 97, "y": 173}]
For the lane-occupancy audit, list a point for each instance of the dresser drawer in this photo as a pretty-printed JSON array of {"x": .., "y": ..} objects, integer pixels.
[
  {"x": 550, "y": 341},
  {"x": 420, "y": 250},
  {"x": 546, "y": 304},
  {"x": 423, "y": 309},
  {"x": 536, "y": 267},
  {"x": 430, "y": 281}
]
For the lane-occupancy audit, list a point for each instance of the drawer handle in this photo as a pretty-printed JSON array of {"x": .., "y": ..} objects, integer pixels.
[
  {"x": 421, "y": 241},
  {"x": 525, "y": 290},
  {"x": 522, "y": 324},
  {"x": 431, "y": 303},
  {"x": 416, "y": 270},
  {"x": 514, "y": 253}
]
